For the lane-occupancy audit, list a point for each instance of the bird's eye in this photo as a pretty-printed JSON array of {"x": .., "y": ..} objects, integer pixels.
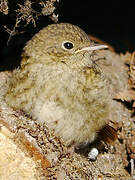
[{"x": 67, "y": 45}]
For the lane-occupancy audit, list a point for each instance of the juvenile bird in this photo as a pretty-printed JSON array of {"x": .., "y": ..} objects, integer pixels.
[{"x": 59, "y": 84}]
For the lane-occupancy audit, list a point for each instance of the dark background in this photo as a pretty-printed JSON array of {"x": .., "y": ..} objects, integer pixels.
[{"x": 112, "y": 22}]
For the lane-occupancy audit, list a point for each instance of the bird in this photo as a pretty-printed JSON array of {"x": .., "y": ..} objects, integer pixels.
[{"x": 58, "y": 83}]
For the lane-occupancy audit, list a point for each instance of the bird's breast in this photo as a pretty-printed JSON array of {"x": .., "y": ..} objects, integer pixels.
[{"x": 72, "y": 102}]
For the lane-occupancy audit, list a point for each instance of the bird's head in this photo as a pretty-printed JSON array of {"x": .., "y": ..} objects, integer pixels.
[{"x": 62, "y": 42}]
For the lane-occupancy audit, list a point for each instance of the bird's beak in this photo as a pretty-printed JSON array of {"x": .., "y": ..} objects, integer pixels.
[{"x": 92, "y": 48}]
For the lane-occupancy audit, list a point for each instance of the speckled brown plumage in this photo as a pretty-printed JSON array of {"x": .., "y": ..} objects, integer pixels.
[{"x": 61, "y": 87}]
